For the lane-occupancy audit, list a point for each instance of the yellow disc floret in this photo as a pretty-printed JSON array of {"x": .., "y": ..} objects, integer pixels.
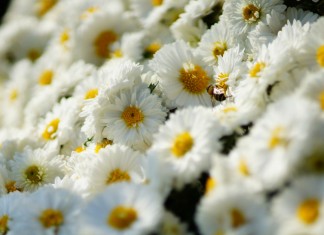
[
  {"x": 122, "y": 217},
  {"x": 103, "y": 42},
  {"x": 13, "y": 95},
  {"x": 219, "y": 49},
  {"x": 132, "y": 116},
  {"x": 308, "y": 211},
  {"x": 51, "y": 218},
  {"x": 34, "y": 174},
  {"x": 4, "y": 224},
  {"x": 194, "y": 79},
  {"x": 44, "y": 6},
  {"x": 251, "y": 13},
  {"x": 46, "y": 78},
  {"x": 277, "y": 139},
  {"x": 320, "y": 56},
  {"x": 102, "y": 144},
  {"x": 210, "y": 184},
  {"x": 256, "y": 69},
  {"x": 182, "y": 144},
  {"x": 243, "y": 168},
  {"x": 117, "y": 175},
  {"x": 33, "y": 55},
  {"x": 238, "y": 218},
  {"x": 92, "y": 93},
  {"x": 50, "y": 131},
  {"x": 157, "y": 2}
]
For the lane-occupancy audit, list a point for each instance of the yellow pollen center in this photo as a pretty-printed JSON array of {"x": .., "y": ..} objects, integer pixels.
[
  {"x": 221, "y": 81},
  {"x": 88, "y": 12},
  {"x": 132, "y": 116},
  {"x": 46, "y": 78},
  {"x": 34, "y": 175},
  {"x": 11, "y": 187},
  {"x": 257, "y": 68},
  {"x": 237, "y": 218},
  {"x": 243, "y": 168},
  {"x": 91, "y": 94},
  {"x": 13, "y": 95},
  {"x": 117, "y": 53},
  {"x": 157, "y": 2},
  {"x": 117, "y": 175},
  {"x": 4, "y": 224},
  {"x": 308, "y": 211},
  {"x": 122, "y": 217},
  {"x": 44, "y": 6},
  {"x": 229, "y": 109},
  {"x": 64, "y": 37},
  {"x": 33, "y": 55},
  {"x": 320, "y": 56},
  {"x": 251, "y": 13},
  {"x": 151, "y": 49},
  {"x": 219, "y": 49},
  {"x": 321, "y": 99},
  {"x": 103, "y": 144},
  {"x": 210, "y": 184},
  {"x": 182, "y": 144},
  {"x": 51, "y": 218},
  {"x": 51, "y": 129},
  {"x": 79, "y": 149},
  {"x": 194, "y": 79},
  {"x": 277, "y": 139},
  {"x": 102, "y": 43}
]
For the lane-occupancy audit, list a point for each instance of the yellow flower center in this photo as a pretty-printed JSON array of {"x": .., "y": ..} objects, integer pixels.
[
  {"x": 102, "y": 43},
  {"x": 194, "y": 79},
  {"x": 157, "y": 2},
  {"x": 34, "y": 175},
  {"x": 51, "y": 129},
  {"x": 151, "y": 49},
  {"x": 117, "y": 175},
  {"x": 320, "y": 56},
  {"x": 103, "y": 144},
  {"x": 256, "y": 69},
  {"x": 11, "y": 187},
  {"x": 13, "y": 95},
  {"x": 182, "y": 144},
  {"x": 33, "y": 55},
  {"x": 46, "y": 78},
  {"x": 132, "y": 116},
  {"x": 229, "y": 109},
  {"x": 308, "y": 211},
  {"x": 219, "y": 49},
  {"x": 51, "y": 218},
  {"x": 91, "y": 94},
  {"x": 277, "y": 139},
  {"x": 122, "y": 217},
  {"x": 88, "y": 12},
  {"x": 64, "y": 37},
  {"x": 238, "y": 218},
  {"x": 44, "y": 6},
  {"x": 117, "y": 53},
  {"x": 79, "y": 149},
  {"x": 251, "y": 13},
  {"x": 321, "y": 100},
  {"x": 4, "y": 224},
  {"x": 210, "y": 184},
  {"x": 221, "y": 82},
  {"x": 243, "y": 168}
]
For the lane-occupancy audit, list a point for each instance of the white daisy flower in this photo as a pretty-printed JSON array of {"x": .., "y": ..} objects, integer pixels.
[
  {"x": 113, "y": 165},
  {"x": 32, "y": 169},
  {"x": 299, "y": 208},
  {"x": 132, "y": 116},
  {"x": 184, "y": 77},
  {"x": 233, "y": 210},
  {"x": 53, "y": 211},
  {"x": 122, "y": 209},
  {"x": 244, "y": 15},
  {"x": 186, "y": 142},
  {"x": 300, "y": 15}
]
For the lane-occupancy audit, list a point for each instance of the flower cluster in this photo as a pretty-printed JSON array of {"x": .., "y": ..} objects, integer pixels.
[{"x": 161, "y": 117}]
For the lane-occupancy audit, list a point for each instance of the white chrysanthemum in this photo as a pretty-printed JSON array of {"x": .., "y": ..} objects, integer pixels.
[
  {"x": 281, "y": 137},
  {"x": 233, "y": 210},
  {"x": 49, "y": 211},
  {"x": 301, "y": 15},
  {"x": 185, "y": 143},
  {"x": 98, "y": 37},
  {"x": 183, "y": 76},
  {"x": 171, "y": 225},
  {"x": 132, "y": 116},
  {"x": 244, "y": 15},
  {"x": 113, "y": 165},
  {"x": 299, "y": 209},
  {"x": 32, "y": 169},
  {"x": 122, "y": 209},
  {"x": 215, "y": 42},
  {"x": 312, "y": 56}
]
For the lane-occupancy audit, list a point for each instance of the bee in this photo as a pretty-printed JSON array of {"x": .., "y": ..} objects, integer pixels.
[{"x": 217, "y": 93}]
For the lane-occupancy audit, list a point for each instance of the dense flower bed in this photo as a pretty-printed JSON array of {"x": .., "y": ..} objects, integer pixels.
[{"x": 168, "y": 117}]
